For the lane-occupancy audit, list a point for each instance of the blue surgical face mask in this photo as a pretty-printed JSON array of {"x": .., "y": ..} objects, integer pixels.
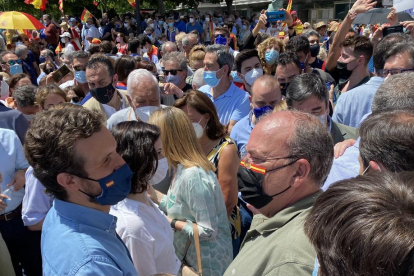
[
  {"x": 271, "y": 57},
  {"x": 117, "y": 26},
  {"x": 210, "y": 78},
  {"x": 150, "y": 37},
  {"x": 315, "y": 268},
  {"x": 236, "y": 77},
  {"x": 244, "y": 27},
  {"x": 160, "y": 22},
  {"x": 80, "y": 76},
  {"x": 42, "y": 59},
  {"x": 170, "y": 24},
  {"x": 221, "y": 40},
  {"x": 302, "y": 65},
  {"x": 322, "y": 119},
  {"x": 115, "y": 187},
  {"x": 16, "y": 69},
  {"x": 258, "y": 112},
  {"x": 176, "y": 80}
]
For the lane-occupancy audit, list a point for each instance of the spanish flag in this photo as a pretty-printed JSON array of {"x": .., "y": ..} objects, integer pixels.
[
  {"x": 289, "y": 6},
  {"x": 85, "y": 15},
  {"x": 132, "y": 3},
  {"x": 58, "y": 49},
  {"x": 61, "y": 5},
  {"x": 37, "y": 4}
]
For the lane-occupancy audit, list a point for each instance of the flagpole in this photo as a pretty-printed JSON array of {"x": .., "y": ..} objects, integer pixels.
[{"x": 138, "y": 16}]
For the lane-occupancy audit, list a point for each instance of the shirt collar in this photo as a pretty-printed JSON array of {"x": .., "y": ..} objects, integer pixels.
[
  {"x": 329, "y": 119},
  {"x": 287, "y": 214},
  {"x": 85, "y": 215}
]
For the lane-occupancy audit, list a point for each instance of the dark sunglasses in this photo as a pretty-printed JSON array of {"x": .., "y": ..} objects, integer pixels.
[
  {"x": 220, "y": 35},
  {"x": 13, "y": 62},
  {"x": 79, "y": 68},
  {"x": 173, "y": 72},
  {"x": 76, "y": 99}
]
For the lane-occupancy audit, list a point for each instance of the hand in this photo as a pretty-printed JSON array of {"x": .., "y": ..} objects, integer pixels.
[
  {"x": 392, "y": 17},
  {"x": 262, "y": 21},
  {"x": 340, "y": 147},
  {"x": 18, "y": 180},
  {"x": 288, "y": 18},
  {"x": 331, "y": 92},
  {"x": 378, "y": 34},
  {"x": 3, "y": 204},
  {"x": 409, "y": 25},
  {"x": 49, "y": 79},
  {"x": 172, "y": 89},
  {"x": 362, "y": 6}
]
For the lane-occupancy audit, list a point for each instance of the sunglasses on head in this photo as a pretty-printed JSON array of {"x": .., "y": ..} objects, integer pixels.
[
  {"x": 13, "y": 62},
  {"x": 220, "y": 35},
  {"x": 173, "y": 72}
]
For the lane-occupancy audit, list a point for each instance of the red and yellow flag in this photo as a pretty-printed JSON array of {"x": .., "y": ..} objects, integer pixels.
[
  {"x": 37, "y": 4},
  {"x": 58, "y": 49},
  {"x": 85, "y": 15},
  {"x": 289, "y": 6},
  {"x": 61, "y": 5},
  {"x": 132, "y": 3}
]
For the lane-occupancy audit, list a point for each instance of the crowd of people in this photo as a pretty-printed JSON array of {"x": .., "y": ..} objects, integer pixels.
[{"x": 207, "y": 142}]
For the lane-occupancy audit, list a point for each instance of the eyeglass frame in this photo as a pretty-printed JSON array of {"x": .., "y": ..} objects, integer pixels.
[
  {"x": 262, "y": 170},
  {"x": 173, "y": 72},
  {"x": 382, "y": 75}
]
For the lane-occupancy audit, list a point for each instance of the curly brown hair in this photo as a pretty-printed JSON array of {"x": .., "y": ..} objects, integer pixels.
[{"x": 262, "y": 47}]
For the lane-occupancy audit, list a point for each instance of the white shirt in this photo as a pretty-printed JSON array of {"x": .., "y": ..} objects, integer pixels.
[
  {"x": 67, "y": 84},
  {"x": 148, "y": 236},
  {"x": 109, "y": 110},
  {"x": 233, "y": 52},
  {"x": 69, "y": 48}
]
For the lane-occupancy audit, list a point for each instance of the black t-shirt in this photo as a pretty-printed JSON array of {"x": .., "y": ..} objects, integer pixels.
[{"x": 317, "y": 64}]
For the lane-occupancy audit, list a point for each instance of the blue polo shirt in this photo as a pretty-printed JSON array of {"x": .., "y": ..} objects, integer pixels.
[
  {"x": 196, "y": 26},
  {"x": 78, "y": 240},
  {"x": 232, "y": 105},
  {"x": 180, "y": 25},
  {"x": 241, "y": 133}
]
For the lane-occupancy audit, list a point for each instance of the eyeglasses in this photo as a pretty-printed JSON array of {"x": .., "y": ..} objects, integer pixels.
[
  {"x": 173, "y": 72},
  {"x": 248, "y": 165},
  {"x": 79, "y": 68},
  {"x": 13, "y": 62},
  {"x": 220, "y": 35},
  {"x": 76, "y": 99},
  {"x": 383, "y": 72}
]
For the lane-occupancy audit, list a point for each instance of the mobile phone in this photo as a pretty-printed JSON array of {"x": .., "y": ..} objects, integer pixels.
[
  {"x": 275, "y": 16},
  {"x": 392, "y": 29},
  {"x": 60, "y": 73}
]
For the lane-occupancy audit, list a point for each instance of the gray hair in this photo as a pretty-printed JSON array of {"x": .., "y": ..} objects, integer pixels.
[
  {"x": 20, "y": 50},
  {"x": 137, "y": 76},
  {"x": 69, "y": 56},
  {"x": 25, "y": 95},
  {"x": 177, "y": 57},
  {"x": 168, "y": 44},
  {"x": 401, "y": 48},
  {"x": 198, "y": 79},
  {"x": 313, "y": 142},
  {"x": 396, "y": 93},
  {"x": 311, "y": 33},
  {"x": 48, "y": 52},
  {"x": 80, "y": 54},
  {"x": 224, "y": 57},
  {"x": 304, "y": 86},
  {"x": 2, "y": 54},
  {"x": 186, "y": 38}
]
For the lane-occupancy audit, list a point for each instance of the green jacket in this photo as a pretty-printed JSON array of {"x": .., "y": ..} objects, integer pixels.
[
  {"x": 341, "y": 132},
  {"x": 277, "y": 245}
]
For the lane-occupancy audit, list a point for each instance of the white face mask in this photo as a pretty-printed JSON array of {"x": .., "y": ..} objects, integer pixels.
[
  {"x": 252, "y": 75},
  {"x": 161, "y": 172},
  {"x": 145, "y": 112},
  {"x": 29, "y": 117},
  {"x": 144, "y": 50},
  {"x": 199, "y": 130}
]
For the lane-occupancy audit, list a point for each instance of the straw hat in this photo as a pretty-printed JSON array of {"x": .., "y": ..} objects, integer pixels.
[{"x": 320, "y": 25}]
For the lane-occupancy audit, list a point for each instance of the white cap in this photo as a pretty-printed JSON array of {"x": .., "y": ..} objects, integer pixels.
[{"x": 65, "y": 34}]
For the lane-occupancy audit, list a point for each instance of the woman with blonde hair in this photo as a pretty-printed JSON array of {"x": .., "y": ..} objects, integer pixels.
[
  {"x": 194, "y": 195},
  {"x": 269, "y": 51},
  {"x": 196, "y": 57},
  {"x": 50, "y": 95}
]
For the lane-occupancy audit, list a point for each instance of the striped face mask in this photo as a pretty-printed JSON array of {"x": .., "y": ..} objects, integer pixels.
[
  {"x": 115, "y": 186},
  {"x": 250, "y": 181}
]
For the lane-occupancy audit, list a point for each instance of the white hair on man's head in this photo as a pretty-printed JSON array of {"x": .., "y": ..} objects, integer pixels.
[
  {"x": 20, "y": 50},
  {"x": 138, "y": 76},
  {"x": 198, "y": 80}
]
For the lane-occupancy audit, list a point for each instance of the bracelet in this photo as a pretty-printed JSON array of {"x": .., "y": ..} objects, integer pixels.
[
  {"x": 173, "y": 222},
  {"x": 352, "y": 15}
]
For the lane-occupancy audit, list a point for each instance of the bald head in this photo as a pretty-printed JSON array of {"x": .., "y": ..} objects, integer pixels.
[
  {"x": 265, "y": 92},
  {"x": 169, "y": 47}
]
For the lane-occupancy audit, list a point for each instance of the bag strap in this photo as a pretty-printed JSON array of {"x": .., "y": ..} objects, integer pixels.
[{"x": 197, "y": 248}]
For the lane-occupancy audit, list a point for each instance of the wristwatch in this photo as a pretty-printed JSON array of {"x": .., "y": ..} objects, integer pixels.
[{"x": 173, "y": 222}]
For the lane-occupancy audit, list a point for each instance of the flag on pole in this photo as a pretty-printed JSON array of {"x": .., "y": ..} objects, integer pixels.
[
  {"x": 85, "y": 15},
  {"x": 58, "y": 49},
  {"x": 289, "y": 6},
  {"x": 95, "y": 3},
  {"x": 61, "y": 5},
  {"x": 132, "y": 3},
  {"x": 37, "y": 4}
]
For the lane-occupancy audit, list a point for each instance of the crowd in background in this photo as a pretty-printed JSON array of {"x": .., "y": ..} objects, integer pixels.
[{"x": 231, "y": 145}]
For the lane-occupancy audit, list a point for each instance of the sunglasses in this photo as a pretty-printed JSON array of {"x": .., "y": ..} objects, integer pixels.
[
  {"x": 13, "y": 62},
  {"x": 220, "y": 35},
  {"x": 76, "y": 99},
  {"x": 173, "y": 72},
  {"x": 79, "y": 68}
]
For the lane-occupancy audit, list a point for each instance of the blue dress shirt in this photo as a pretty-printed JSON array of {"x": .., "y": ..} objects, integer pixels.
[
  {"x": 241, "y": 133},
  {"x": 12, "y": 159},
  {"x": 78, "y": 240},
  {"x": 354, "y": 104},
  {"x": 232, "y": 105}
]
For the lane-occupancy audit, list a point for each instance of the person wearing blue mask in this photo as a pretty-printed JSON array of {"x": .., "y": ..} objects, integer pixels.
[
  {"x": 194, "y": 25},
  {"x": 248, "y": 68},
  {"x": 85, "y": 178},
  {"x": 269, "y": 51},
  {"x": 222, "y": 37},
  {"x": 80, "y": 60},
  {"x": 231, "y": 102},
  {"x": 264, "y": 97},
  {"x": 308, "y": 93},
  {"x": 10, "y": 63},
  {"x": 175, "y": 72},
  {"x": 178, "y": 23}
]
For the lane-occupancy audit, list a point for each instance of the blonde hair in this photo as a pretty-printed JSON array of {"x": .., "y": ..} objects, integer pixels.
[
  {"x": 179, "y": 141},
  {"x": 44, "y": 91},
  {"x": 262, "y": 47},
  {"x": 197, "y": 53},
  {"x": 280, "y": 106},
  {"x": 179, "y": 39}
]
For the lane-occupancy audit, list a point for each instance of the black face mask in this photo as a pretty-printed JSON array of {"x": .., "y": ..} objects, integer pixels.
[
  {"x": 251, "y": 186},
  {"x": 283, "y": 87},
  {"x": 103, "y": 94},
  {"x": 343, "y": 71},
  {"x": 314, "y": 50}
]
